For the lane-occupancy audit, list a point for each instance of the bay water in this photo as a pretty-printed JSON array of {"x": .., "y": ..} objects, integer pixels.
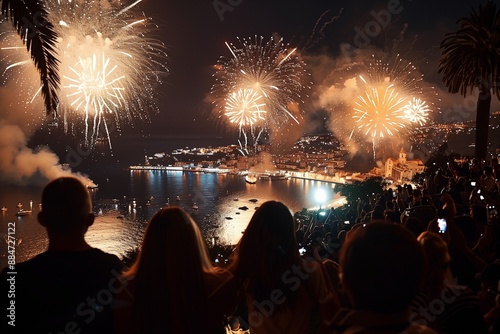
[{"x": 125, "y": 200}]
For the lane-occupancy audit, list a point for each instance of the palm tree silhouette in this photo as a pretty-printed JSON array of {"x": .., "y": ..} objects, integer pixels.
[
  {"x": 470, "y": 58},
  {"x": 29, "y": 17}
]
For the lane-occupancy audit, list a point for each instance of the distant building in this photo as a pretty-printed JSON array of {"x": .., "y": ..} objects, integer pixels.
[{"x": 402, "y": 169}]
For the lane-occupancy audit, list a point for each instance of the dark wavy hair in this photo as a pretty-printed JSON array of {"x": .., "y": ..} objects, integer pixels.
[{"x": 267, "y": 249}]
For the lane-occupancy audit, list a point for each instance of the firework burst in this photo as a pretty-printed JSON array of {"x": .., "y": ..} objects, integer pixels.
[
  {"x": 378, "y": 111},
  {"x": 267, "y": 70},
  {"x": 390, "y": 102},
  {"x": 244, "y": 107},
  {"x": 108, "y": 65},
  {"x": 416, "y": 111}
]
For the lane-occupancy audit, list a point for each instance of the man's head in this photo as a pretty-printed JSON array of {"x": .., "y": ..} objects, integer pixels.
[
  {"x": 66, "y": 207},
  {"x": 382, "y": 267}
]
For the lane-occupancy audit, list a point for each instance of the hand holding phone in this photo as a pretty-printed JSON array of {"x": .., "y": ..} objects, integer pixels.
[{"x": 442, "y": 225}]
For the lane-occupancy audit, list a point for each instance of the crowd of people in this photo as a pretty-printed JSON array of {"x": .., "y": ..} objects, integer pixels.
[{"x": 414, "y": 259}]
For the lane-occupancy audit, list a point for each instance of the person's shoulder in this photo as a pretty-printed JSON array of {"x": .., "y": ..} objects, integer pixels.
[
  {"x": 99, "y": 256},
  {"x": 104, "y": 255},
  {"x": 31, "y": 264}
]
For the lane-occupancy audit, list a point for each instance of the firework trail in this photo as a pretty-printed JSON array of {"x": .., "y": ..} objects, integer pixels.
[
  {"x": 268, "y": 78},
  {"x": 108, "y": 65},
  {"x": 244, "y": 107},
  {"x": 318, "y": 33}
]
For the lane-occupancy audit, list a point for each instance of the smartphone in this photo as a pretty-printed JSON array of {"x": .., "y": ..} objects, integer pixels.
[
  {"x": 442, "y": 225},
  {"x": 492, "y": 211},
  {"x": 394, "y": 194},
  {"x": 473, "y": 183},
  {"x": 346, "y": 222}
]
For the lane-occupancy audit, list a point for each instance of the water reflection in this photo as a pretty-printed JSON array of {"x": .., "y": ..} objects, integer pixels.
[{"x": 125, "y": 203}]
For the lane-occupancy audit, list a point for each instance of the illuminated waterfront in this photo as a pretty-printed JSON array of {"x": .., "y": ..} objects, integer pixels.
[{"x": 221, "y": 200}]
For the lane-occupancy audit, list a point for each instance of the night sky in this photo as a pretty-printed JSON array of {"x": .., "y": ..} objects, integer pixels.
[{"x": 195, "y": 32}]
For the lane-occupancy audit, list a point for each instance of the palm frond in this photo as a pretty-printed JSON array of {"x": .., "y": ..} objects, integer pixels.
[
  {"x": 471, "y": 55},
  {"x": 29, "y": 18}
]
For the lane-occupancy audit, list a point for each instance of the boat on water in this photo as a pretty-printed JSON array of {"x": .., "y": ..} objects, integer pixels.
[
  {"x": 253, "y": 200},
  {"x": 251, "y": 179},
  {"x": 280, "y": 176},
  {"x": 23, "y": 213}
]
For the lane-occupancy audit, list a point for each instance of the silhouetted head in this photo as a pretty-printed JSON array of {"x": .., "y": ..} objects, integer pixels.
[
  {"x": 66, "y": 207},
  {"x": 173, "y": 238},
  {"x": 234, "y": 323},
  {"x": 267, "y": 249},
  {"x": 169, "y": 275},
  {"x": 438, "y": 262},
  {"x": 488, "y": 170},
  {"x": 415, "y": 225},
  {"x": 382, "y": 267},
  {"x": 479, "y": 213},
  {"x": 270, "y": 234}
]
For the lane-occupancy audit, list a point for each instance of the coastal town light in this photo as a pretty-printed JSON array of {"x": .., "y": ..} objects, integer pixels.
[{"x": 320, "y": 196}]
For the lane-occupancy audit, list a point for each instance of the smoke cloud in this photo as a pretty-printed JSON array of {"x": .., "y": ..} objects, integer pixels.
[
  {"x": 264, "y": 164},
  {"x": 337, "y": 85},
  {"x": 22, "y": 113},
  {"x": 21, "y": 165}
]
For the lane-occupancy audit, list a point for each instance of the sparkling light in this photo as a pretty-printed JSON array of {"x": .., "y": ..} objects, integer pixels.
[
  {"x": 390, "y": 102},
  {"x": 417, "y": 111},
  {"x": 244, "y": 108},
  {"x": 109, "y": 67},
  {"x": 378, "y": 112},
  {"x": 275, "y": 75}
]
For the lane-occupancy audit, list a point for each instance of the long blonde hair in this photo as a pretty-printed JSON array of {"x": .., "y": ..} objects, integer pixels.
[
  {"x": 438, "y": 263},
  {"x": 168, "y": 275}
]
